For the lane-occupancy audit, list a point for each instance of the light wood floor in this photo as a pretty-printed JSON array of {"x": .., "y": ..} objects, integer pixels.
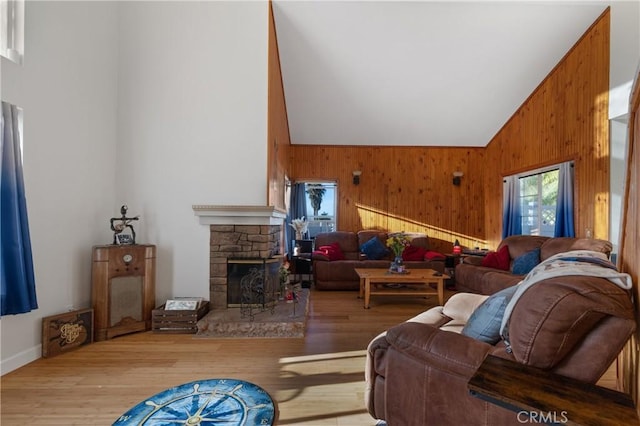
[{"x": 317, "y": 380}]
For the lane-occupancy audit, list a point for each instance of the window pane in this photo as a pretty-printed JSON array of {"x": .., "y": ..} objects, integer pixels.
[
  {"x": 529, "y": 185},
  {"x": 321, "y": 207},
  {"x": 12, "y": 29},
  {"x": 550, "y": 187},
  {"x": 538, "y": 196}
]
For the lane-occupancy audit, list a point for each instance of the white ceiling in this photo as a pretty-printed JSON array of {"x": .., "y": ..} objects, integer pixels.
[{"x": 417, "y": 73}]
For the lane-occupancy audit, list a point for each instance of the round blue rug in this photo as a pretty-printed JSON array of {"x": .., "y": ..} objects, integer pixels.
[{"x": 211, "y": 402}]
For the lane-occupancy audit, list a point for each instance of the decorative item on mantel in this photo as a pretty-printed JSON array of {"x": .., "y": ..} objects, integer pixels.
[
  {"x": 300, "y": 225},
  {"x": 397, "y": 243},
  {"x": 120, "y": 233}
]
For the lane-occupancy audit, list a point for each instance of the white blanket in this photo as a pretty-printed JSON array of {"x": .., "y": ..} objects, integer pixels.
[{"x": 577, "y": 262}]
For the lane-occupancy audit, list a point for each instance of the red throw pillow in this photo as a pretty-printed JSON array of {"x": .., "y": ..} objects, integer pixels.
[
  {"x": 413, "y": 253},
  {"x": 434, "y": 255},
  {"x": 332, "y": 251},
  {"x": 498, "y": 259}
]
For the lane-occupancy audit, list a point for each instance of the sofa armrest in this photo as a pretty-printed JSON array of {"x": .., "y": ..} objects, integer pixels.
[
  {"x": 473, "y": 260},
  {"x": 451, "y": 352},
  {"x": 319, "y": 256}
]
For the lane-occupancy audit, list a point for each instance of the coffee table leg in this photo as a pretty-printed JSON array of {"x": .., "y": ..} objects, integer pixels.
[
  {"x": 441, "y": 291},
  {"x": 361, "y": 293},
  {"x": 367, "y": 292}
]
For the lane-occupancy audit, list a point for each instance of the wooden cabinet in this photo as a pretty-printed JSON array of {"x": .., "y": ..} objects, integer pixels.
[{"x": 123, "y": 289}]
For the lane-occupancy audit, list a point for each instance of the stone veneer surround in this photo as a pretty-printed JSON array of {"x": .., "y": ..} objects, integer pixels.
[
  {"x": 237, "y": 241},
  {"x": 238, "y": 231}
]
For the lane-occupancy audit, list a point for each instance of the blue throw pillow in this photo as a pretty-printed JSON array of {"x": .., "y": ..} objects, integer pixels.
[
  {"x": 484, "y": 323},
  {"x": 374, "y": 249},
  {"x": 522, "y": 265}
]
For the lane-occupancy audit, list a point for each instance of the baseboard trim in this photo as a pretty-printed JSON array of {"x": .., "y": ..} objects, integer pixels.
[{"x": 20, "y": 359}]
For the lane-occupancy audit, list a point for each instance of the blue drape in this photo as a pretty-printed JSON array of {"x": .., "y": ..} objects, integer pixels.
[
  {"x": 564, "y": 207},
  {"x": 16, "y": 263},
  {"x": 511, "y": 217},
  {"x": 297, "y": 209}
]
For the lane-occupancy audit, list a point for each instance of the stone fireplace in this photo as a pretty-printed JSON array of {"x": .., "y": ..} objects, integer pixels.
[{"x": 238, "y": 232}]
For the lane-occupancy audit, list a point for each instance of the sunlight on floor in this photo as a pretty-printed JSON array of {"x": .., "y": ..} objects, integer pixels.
[{"x": 334, "y": 380}]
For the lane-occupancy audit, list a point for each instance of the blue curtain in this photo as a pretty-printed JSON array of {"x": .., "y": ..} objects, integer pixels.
[
  {"x": 564, "y": 208},
  {"x": 511, "y": 217},
  {"x": 297, "y": 209},
  {"x": 16, "y": 263}
]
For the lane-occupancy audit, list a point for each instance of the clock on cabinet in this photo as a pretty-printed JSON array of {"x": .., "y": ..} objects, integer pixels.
[{"x": 123, "y": 289}]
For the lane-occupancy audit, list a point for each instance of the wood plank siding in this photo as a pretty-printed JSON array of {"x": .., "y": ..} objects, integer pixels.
[
  {"x": 565, "y": 118},
  {"x": 278, "y": 141},
  {"x": 411, "y": 188}
]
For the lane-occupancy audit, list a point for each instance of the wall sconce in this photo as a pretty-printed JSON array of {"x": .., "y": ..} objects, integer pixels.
[
  {"x": 356, "y": 177},
  {"x": 456, "y": 178}
]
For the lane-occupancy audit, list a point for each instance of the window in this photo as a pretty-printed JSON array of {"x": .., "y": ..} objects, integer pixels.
[
  {"x": 538, "y": 200},
  {"x": 321, "y": 199},
  {"x": 12, "y": 29}
]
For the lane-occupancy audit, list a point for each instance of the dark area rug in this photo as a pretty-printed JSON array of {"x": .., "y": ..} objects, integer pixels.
[{"x": 287, "y": 320}]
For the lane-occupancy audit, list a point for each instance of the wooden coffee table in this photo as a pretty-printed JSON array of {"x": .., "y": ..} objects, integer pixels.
[{"x": 417, "y": 283}]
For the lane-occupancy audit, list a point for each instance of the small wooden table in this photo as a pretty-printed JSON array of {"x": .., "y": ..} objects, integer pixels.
[
  {"x": 418, "y": 281},
  {"x": 532, "y": 392}
]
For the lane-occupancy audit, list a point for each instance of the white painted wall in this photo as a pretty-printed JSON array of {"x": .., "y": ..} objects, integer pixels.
[
  {"x": 624, "y": 63},
  {"x": 624, "y": 54},
  {"x": 67, "y": 88},
  {"x": 192, "y": 125}
]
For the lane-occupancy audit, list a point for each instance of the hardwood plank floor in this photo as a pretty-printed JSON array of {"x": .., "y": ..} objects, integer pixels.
[{"x": 315, "y": 380}]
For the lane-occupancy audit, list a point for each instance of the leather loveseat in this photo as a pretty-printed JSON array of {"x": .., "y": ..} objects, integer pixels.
[
  {"x": 417, "y": 372},
  {"x": 340, "y": 274},
  {"x": 472, "y": 277}
]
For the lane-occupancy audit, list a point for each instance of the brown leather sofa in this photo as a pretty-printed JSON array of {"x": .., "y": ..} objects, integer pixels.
[
  {"x": 472, "y": 277},
  {"x": 341, "y": 275},
  {"x": 417, "y": 372}
]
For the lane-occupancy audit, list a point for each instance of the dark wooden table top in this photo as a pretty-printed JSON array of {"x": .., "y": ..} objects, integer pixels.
[{"x": 555, "y": 398}]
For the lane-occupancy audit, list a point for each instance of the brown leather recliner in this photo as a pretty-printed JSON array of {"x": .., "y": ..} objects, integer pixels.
[{"x": 417, "y": 372}]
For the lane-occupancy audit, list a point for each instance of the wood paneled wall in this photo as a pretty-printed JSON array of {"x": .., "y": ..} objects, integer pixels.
[
  {"x": 278, "y": 141},
  {"x": 410, "y": 188},
  {"x": 565, "y": 118},
  {"x": 629, "y": 258},
  {"x": 402, "y": 188}
]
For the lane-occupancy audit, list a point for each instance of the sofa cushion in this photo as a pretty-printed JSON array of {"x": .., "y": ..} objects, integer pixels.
[
  {"x": 496, "y": 279},
  {"x": 434, "y": 255},
  {"x": 562, "y": 244},
  {"x": 592, "y": 244},
  {"x": 551, "y": 318},
  {"x": 521, "y": 244},
  {"x": 412, "y": 252},
  {"x": 348, "y": 241},
  {"x": 461, "y": 306},
  {"x": 418, "y": 239},
  {"x": 374, "y": 249},
  {"x": 366, "y": 234},
  {"x": 498, "y": 259},
  {"x": 332, "y": 251},
  {"x": 484, "y": 323},
  {"x": 522, "y": 265}
]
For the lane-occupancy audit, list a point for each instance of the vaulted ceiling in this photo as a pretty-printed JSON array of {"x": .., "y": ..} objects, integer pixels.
[{"x": 417, "y": 73}]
